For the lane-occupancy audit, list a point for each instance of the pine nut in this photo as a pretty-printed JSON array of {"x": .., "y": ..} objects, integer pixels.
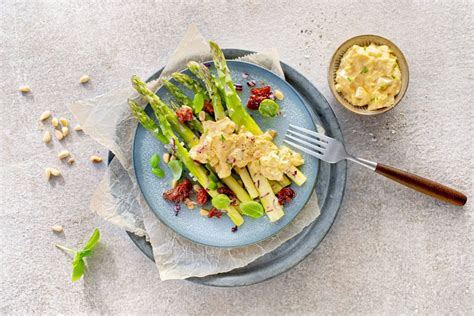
[
  {"x": 71, "y": 161},
  {"x": 57, "y": 228},
  {"x": 172, "y": 158},
  {"x": 63, "y": 154},
  {"x": 55, "y": 122},
  {"x": 204, "y": 212},
  {"x": 196, "y": 187},
  {"x": 78, "y": 128},
  {"x": 65, "y": 131},
  {"x": 46, "y": 137},
  {"x": 278, "y": 94},
  {"x": 189, "y": 204},
  {"x": 64, "y": 121},
  {"x": 55, "y": 172},
  {"x": 47, "y": 173},
  {"x": 96, "y": 159},
  {"x": 202, "y": 116},
  {"x": 24, "y": 89},
  {"x": 84, "y": 79},
  {"x": 45, "y": 115},
  {"x": 59, "y": 134},
  {"x": 174, "y": 183},
  {"x": 166, "y": 157}
]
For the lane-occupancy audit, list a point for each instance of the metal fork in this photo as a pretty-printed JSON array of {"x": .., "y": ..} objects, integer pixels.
[{"x": 331, "y": 150}]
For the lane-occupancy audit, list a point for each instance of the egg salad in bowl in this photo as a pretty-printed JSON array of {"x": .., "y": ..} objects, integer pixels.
[{"x": 369, "y": 75}]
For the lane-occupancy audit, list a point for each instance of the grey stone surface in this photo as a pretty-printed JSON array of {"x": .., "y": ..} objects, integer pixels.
[{"x": 390, "y": 250}]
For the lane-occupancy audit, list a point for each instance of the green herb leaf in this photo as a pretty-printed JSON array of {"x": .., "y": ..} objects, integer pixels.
[
  {"x": 77, "y": 270},
  {"x": 268, "y": 108},
  {"x": 364, "y": 70},
  {"x": 160, "y": 173},
  {"x": 213, "y": 177},
  {"x": 252, "y": 209},
  {"x": 176, "y": 168},
  {"x": 155, "y": 161},
  {"x": 349, "y": 79},
  {"x": 93, "y": 240},
  {"x": 212, "y": 185},
  {"x": 222, "y": 138},
  {"x": 198, "y": 103},
  {"x": 78, "y": 265},
  {"x": 221, "y": 201}
]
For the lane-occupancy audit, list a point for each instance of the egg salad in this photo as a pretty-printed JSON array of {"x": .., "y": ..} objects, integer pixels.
[
  {"x": 369, "y": 76},
  {"x": 224, "y": 147}
]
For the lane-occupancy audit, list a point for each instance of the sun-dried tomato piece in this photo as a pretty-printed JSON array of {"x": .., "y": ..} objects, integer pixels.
[
  {"x": 257, "y": 95},
  {"x": 202, "y": 196},
  {"x": 208, "y": 108},
  {"x": 285, "y": 195},
  {"x": 184, "y": 114},
  {"x": 180, "y": 192},
  {"x": 264, "y": 91},
  {"x": 214, "y": 212}
]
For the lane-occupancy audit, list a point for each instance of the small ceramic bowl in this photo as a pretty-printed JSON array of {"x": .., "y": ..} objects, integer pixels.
[{"x": 365, "y": 40}]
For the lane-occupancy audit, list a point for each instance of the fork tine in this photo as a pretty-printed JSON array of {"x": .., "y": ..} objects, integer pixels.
[
  {"x": 311, "y": 139},
  {"x": 309, "y": 145},
  {"x": 304, "y": 149},
  {"x": 312, "y": 133}
]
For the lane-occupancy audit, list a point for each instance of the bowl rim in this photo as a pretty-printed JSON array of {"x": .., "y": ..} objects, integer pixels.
[{"x": 337, "y": 56}]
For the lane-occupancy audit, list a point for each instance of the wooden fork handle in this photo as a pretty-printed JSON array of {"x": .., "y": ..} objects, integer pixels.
[{"x": 423, "y": 185}]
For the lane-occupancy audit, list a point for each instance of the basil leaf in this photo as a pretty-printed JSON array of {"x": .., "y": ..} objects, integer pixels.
[
  {"x": 221, "y": 201},
  {"x": 78, "y": 268},
  {"x": 155, "y": 161},
  {"x": 198, "y": 103},
  {"x": 251, "y": 209},
  {"x": 176, "y": 168},
  {"x": 268, "y": 108},
  {"x": 160, "y": 173},
  {"x": 93, "y": 240}
]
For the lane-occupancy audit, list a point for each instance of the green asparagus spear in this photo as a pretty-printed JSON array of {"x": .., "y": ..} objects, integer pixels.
[
  {"x": 160, "y": 107},
  {"x": 177, "y": 93},
  {"x": 166, "y": 136},
  {"x": 189, "y": 83},
  {"x": 235, "y": 108},
  {"x": 203, "y": 73}
]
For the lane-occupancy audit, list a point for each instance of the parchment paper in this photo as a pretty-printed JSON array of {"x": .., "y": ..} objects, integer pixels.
[{"x": 107, "y": 119}]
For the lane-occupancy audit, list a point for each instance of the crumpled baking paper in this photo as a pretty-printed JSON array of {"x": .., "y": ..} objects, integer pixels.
[{"x": 117, "y": 199}]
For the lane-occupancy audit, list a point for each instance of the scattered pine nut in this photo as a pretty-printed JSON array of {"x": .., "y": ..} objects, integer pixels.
[
  {"x": 45, "y": 115},
  {"x": 46, "y": 137},
  {"x": 47, "y": 173},
  {"x": 24, "y": 89},
  {"x": 84, "y": 79},
  {"x": 204, "y": 212},
  {"x": 59, "y": 134},
  {"x": 71, "y": 161},
  {"x": 196, "y": 187},
  {"x": 57, "y": 228},
  {"x": 278, "y": 94},
  {"x": 63, "y": 154},
  {"x": 78, "y": 128},
  {"x": 166, "y": 157},
  {"x": 174, "y": 183},
  {"x": 55, "y": 172},
  {"x": 189, "y": 204},
  {"x": 96, "y": 159},
  {"x": 272, "y": 133},
  {"x": 64, "y": 121},
  {"x": 55, "y": 122},
  {"x": 65, "y": 131},
  {"x": 172, "y": 158},
  {"x": 202, "y": 116}
]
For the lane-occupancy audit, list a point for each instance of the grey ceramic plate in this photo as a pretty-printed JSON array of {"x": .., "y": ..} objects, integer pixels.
[
  {"x": 217, "y": 232},
  {"x": 330, "y": 189}
]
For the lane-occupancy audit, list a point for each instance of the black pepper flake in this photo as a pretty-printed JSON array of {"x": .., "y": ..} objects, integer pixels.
[
  {"x": 177, "y": 208},
  {"x": 234, "y": 229}
]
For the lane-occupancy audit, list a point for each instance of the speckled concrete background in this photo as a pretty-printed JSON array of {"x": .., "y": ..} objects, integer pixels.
[{"x": 390, "y": 250}]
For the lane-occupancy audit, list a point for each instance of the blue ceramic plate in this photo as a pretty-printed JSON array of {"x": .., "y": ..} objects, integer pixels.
[{"x": 217, "y": 232}]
